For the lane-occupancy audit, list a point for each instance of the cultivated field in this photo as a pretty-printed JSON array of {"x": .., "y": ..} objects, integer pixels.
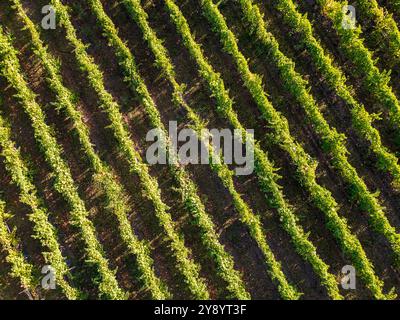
[{"x": 81, "y": 207}]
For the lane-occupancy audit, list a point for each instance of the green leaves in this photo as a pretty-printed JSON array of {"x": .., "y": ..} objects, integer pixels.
[
  {"x": 64, "y": 183},
  {"x": 385, "y": 31},
  {"x": 294, "y": 83},
  {"x": 352, "y": 46},
  {"x": 224, "y": 107},
  {"x": 185, "y": 264},
  {"x": 20, "y": 268},
  {"x": 334, "y": 143},
  {"x": 43, "y": 229},
  {"x": 103, "y": 177}
]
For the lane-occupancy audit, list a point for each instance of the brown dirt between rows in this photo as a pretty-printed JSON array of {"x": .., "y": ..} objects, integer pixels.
[
  {"x": 341, "y": 119},
  {"x": 388, "y": 5},
  {"x": 102, "y": 222},
  {"x": 156, "y": 101},
  {"x": 165, "y": 106},
  {"x": 25, "y": 139},
  {"x": 10, "y": 288},
  {"x": 233, "y": 234},
  {"x": 207, "y": 46}
]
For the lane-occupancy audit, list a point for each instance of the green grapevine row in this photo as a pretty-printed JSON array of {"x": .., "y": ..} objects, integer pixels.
[
  {"x": 264, "y": 169},
  {"x": 43, "y": 229},
  {"x": 352, "y": 46},
  {"x": 20, "y": 268},
  {"x": 187, "y": 188},
  {"x": 303, "y": 246},
  {"x": 333, "y": 142},
  {"x": 188, "y": 268},
  {"x": 102, "y": 174},
  {"x": 362, "y": 120},
  {"x": 64, "y": 183}
]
